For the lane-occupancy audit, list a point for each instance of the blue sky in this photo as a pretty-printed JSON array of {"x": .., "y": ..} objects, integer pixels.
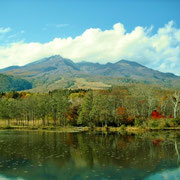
[
  {"x": 23, "y": 23},
  {"x": 44, "y": 20}
]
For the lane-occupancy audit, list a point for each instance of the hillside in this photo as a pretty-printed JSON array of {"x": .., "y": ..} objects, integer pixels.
[
  {"x": 123, "y": 68},
  {"x": 57, "y": 72},
  {"x": 10, "y": 83}
]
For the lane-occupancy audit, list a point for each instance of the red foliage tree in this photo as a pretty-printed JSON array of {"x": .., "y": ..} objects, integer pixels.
[{"x": 156, "y": 115}]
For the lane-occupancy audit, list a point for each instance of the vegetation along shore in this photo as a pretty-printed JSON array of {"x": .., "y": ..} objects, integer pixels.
[{"x": 129, "y": 107}]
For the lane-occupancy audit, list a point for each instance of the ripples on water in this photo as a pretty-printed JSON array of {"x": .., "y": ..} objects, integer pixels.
[{"x": 79, "y": 156}]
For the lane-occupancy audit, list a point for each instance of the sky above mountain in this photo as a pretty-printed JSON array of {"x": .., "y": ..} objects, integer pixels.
[{"x": 145, "y": 31}]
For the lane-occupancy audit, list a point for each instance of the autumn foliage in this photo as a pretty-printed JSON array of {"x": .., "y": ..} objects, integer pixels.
[
  {"x": 134, "y": 105},
  {"x": 121, "y": 110},
  {"x": 156, "y": 115},
  {"x": 127, "y": 118}
]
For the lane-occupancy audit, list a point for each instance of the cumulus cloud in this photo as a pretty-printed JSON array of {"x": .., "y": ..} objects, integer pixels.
[
  {"x": 4, "y": 30},
  {"x": 160, "y": 50}
]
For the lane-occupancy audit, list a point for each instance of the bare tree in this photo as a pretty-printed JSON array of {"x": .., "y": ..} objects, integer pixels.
[{"x": 176, "y": 101}]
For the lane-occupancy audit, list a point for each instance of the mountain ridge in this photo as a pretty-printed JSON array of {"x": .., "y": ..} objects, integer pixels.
[
  {"x": 78, "y": 66},
  {"x": 56, "y": 72}
]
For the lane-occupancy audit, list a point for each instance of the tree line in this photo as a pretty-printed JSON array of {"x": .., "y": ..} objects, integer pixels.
[{"x": 128, "y": 105}]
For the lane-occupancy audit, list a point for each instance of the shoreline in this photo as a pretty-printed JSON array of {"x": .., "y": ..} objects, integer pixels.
[
  {"x": 70, "y": 129},
  {"x": 46, "y": 129}
]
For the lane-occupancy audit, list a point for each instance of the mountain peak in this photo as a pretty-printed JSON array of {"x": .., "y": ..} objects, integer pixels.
[
  {"x": 43, "y": 60},
  {"x": 132, "y": 63}
]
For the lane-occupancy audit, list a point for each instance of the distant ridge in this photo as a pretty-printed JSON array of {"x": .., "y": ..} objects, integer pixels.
[
  {"x": 62, "y": 66},
  {"x": 56, "y": 71},
  {"x": 9, "y": 68}
]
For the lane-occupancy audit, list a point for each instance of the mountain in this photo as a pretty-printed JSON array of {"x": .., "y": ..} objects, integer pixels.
[
  {"x": 10, "y": 83},
  {"x": 56, "y": 72},
  {"x": 9, "y": 68},
  {"x": 51, "y": 65},
  {"x": 46, "y": 71},
  {"x": 123, "y": 68}
]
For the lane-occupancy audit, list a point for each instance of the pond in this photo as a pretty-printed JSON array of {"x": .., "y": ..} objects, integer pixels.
[{"x": 33, "y": 155}]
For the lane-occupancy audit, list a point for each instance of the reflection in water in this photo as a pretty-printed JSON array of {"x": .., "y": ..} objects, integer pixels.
[
  {"x": 79, "y": 156},
  {"x": 173, "y": 174},
  {"x": 177, "y": 152}
]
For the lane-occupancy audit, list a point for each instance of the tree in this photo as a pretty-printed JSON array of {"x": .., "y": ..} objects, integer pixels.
[
  {"x": 43, "y": 107},
  {"x": 96, "y": 109},
  {"x": 84, "y": 116},
  {"x": 6, "y": 109},
  {"x": 60, "y": 106},
  {"x": 30, "y": 107},
  {"x": 176, "y": 101},
  {"x": 63, "y": 107}
]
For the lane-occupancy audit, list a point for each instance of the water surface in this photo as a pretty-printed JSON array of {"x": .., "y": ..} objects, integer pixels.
[{"x": 78, "y": 156}]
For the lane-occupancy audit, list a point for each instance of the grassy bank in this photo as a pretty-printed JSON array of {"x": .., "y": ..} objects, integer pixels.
[
  {"x": 139, "y": 125},
  {"x": 134, "y": 129},
  {"x": 45, "y": 128},
  {"x": 128, "y": 129}
]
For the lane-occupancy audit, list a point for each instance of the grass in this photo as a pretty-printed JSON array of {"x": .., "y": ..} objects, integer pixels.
[
  {"x": 141, "y": 126},
  {"x": 85, "y": 84},
  {"x": 46, "y": 128}
]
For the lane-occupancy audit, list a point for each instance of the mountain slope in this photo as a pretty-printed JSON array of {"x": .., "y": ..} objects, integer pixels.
[
  {"x": 57, "y": 72},
  {"x": 45, "y": 71},
  {"x": 10, "y": 68},
  {"x": 123, "y": 68},
  {"x": 65, "y": 67},
  {"x": 54, "y": 64},
  {"x": 10, "y": 83}
]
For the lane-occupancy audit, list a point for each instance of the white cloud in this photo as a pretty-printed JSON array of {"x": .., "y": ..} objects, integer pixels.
[
  {"x": 4, "y": 30},
  {"x": 160, "y": 50}
]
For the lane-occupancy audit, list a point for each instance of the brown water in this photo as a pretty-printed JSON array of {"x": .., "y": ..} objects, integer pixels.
[{"x": 79, "y": 156}]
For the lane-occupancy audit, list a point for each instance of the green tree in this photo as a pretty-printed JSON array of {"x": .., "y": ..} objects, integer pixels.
[
  {"x": 43, "y": 107},
  {"x": 84, "y": 116}
]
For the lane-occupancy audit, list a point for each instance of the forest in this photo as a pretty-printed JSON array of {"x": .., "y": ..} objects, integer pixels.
[
  {"x": 11, "y": 83},
  {"x": 127, "y": 105}
]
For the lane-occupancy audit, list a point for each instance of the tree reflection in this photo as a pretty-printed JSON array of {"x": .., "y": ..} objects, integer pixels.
[{"x": 43, "y": 155}]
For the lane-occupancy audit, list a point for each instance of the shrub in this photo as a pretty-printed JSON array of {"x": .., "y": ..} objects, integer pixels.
[
  {"x": 164, "y": 123},
  {"x": 176, "y": 121},
  {"x": 122, "y": 127},
  {"x": 138, "y": 122},
  {"x": 154, "y": 124}
]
